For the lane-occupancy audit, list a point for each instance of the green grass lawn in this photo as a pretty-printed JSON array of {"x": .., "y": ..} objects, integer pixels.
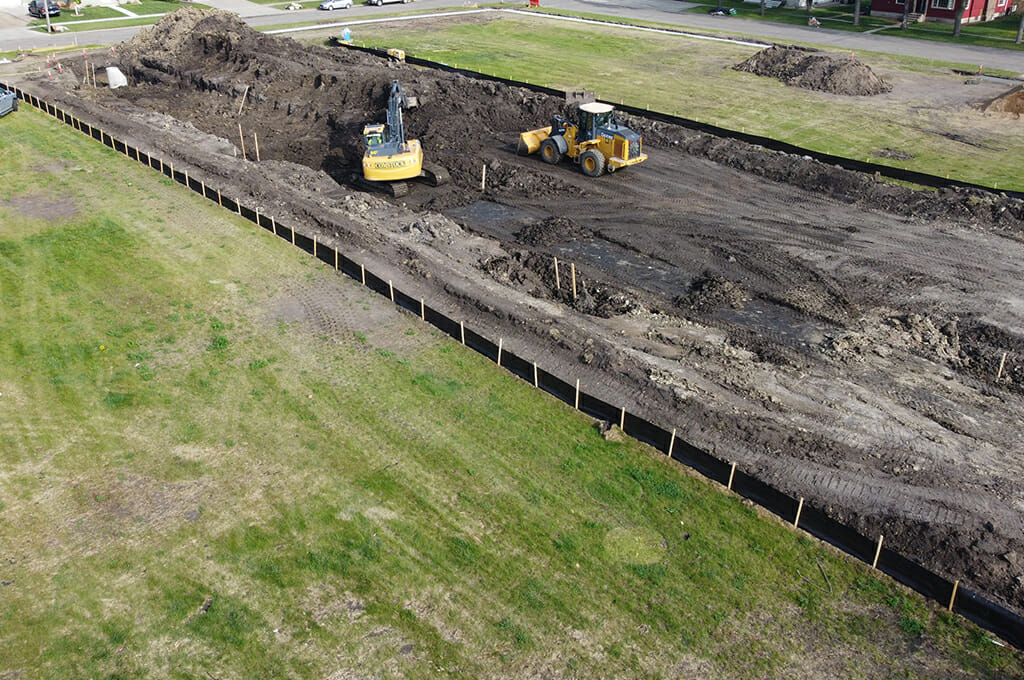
[
  {"x": 695, "y": 79},
  {"x": 197, "y": 482}
]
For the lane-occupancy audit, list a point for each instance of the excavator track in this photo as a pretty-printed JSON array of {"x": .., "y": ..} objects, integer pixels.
[
  {"x": 392, "y": 189},
  {"x": 435, "y": 175}
]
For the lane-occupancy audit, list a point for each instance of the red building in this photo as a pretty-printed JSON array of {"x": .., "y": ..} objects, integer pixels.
[{"x": 942, "y": 10}]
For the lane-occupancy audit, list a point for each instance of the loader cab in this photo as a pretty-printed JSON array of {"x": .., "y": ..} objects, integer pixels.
[{"x": 594, "y": 116}]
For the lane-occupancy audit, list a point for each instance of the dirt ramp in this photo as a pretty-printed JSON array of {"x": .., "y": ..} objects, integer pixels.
[{"x": 814, "y": 70}]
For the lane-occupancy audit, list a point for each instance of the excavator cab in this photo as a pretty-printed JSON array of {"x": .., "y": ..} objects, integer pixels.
[{"x": 373, "y": 135}]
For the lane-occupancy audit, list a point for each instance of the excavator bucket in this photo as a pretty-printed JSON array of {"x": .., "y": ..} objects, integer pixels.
[{"x": 531, "y": 140}]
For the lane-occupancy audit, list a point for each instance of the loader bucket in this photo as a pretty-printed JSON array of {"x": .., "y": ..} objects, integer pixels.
[{"x": 530, "y": 140}]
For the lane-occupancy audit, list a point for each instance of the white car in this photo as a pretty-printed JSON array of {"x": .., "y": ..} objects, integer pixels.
[{"x": 335, "y": 4}]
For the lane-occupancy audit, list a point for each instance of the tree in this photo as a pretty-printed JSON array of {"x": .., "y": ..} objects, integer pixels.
[
  {"x": 906, "y": 13},
  {"x": 1020, "y": 29},
  {"x": 961, "y": 7},
  {"x": 856, "y": 13}
]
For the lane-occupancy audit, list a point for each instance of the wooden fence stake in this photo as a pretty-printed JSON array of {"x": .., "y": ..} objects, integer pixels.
[
  {"x": 202, "y": 183},
  {"x": 293, "y": 233},
  {"x": 187, "y": 185},
  {"x": 501, "y": 341},
  {"x": 314, "y": 238},
  {"x": 462, "y": 332},
  {"x": 391, "y": 290},
  {"x": 577, "y": 406},
  {"x": 878, "y": 552},
  {"x": 672, "y": 442},
  {"x": 799, "y": 509},
  {"x": 483, "y": 179},
  {"x": 171, "y": 164},
  {"x": 273, "y": 225},
  {"x": 956, "y": 584},
  {"x": 535, "y": 382},
  {"x": 732, "y": 473},
  {"x": 257, "y": 217},
  {"x": 423, "y": 315},
  {"x": 220, "y": 200},
  {"x": 241, "y": 138},
  {"x": 362, "y": 274},
  {"x": 242, "y": 103},
  {"x": 256, "y": 143},
  {"x": 335, "y": 260},
  {"x": 558, "y": 283},
  {"x": 1002, "y": 364},
  {"x": 573, "y": 280}
]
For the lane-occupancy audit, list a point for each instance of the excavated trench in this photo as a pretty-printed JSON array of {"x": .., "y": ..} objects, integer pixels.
[{"x": 836, "y": 336}]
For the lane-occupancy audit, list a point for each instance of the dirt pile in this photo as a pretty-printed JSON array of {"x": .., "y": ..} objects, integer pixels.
[
  {"x": 1011, "y": 102},
  {"x": 309, "y": 106},
  {"x": 814, "y": 70}
]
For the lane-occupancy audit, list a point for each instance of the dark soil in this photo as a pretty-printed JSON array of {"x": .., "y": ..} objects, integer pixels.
[
  {"x": 837, "y": 336},
  {"x": 814, "y": 70}
]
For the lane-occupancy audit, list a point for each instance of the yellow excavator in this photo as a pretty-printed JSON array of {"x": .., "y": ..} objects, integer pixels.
[
  {"x": 596, "y": 141},
  {"x": 389, "y": 158}
]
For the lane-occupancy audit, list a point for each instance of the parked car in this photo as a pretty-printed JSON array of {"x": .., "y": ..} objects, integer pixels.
[
  {"x": 291, "y": 6},
  {"x": 8, "y": 102},
  {"x": 335, "y": 4},
  {"x": 40, "y": 8},
  {"x": 385, "y": 2}
]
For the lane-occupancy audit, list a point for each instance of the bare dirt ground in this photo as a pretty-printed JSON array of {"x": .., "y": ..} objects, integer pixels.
[{"x": 837, "y": 336}]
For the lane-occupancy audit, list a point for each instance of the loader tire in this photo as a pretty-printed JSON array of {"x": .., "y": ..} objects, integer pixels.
[
  {"x": 549, "y": 151},
  {"x": 592, "y": 163}
]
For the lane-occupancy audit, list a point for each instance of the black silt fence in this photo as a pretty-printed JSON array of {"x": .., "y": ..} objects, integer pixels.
[
  {"x": 517, "y": 366},
  {"x": 993, "y": 617},
  {"x": 480, "y": 344},
  {"x": 442, "y": 322},
  {"x": 820, "y": 525},
  {"x": 990, "y": 616}
]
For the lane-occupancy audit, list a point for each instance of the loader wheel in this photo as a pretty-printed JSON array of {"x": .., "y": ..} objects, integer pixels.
[
  {"x": 592, "y": 162},
  {"x": 549, "y": 151}
]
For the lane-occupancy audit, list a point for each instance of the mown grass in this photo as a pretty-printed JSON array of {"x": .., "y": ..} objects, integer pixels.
[
  {"x": 195, "y": 482},
  {"x": 695, "y": 79}
]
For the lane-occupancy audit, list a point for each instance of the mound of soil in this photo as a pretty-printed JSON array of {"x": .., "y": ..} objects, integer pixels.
[
  {"x": 815, "y": 70},
  {"x": 1011, "y": 102}
]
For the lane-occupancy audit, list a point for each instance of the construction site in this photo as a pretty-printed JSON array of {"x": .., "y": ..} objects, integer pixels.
[{"x": 851, "y": 341}]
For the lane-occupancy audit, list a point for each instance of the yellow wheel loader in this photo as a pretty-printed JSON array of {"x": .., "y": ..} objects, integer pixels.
[
  {"x": 389, "y": 158},
  {"x": 595, "y": 141}
]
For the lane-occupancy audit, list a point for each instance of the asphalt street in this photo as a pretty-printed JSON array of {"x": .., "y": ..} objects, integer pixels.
[{"x": 15, "y": 34}]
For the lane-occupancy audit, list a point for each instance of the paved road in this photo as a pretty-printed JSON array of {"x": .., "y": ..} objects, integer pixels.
[{"x": 665, "y": 11}]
